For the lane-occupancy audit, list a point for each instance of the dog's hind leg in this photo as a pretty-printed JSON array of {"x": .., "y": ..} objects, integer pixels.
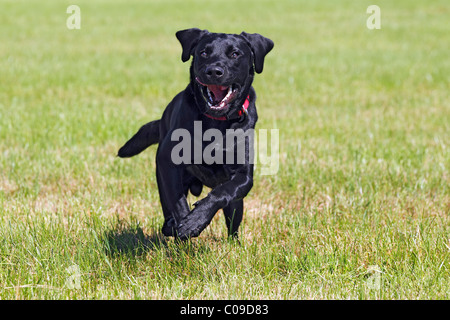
[{"x": 233, "y": 217}]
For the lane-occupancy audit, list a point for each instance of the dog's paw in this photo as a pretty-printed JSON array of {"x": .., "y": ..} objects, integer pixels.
[
  {"x": 169, "y": 228},
  {"x": 192, "y": 225}
]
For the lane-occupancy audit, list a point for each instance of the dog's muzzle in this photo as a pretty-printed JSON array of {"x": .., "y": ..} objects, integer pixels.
[{"x": 218, "y": 97}]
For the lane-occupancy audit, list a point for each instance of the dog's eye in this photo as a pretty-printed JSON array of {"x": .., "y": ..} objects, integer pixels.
[
  {"x": 203, "y": 54},
  {"x": 235, "y": 54}
]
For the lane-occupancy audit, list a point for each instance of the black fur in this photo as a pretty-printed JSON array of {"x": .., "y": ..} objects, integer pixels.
[{"x": 229, "y": 61}]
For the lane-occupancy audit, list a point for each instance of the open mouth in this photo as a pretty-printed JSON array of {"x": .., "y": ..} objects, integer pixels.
[{"x": 216, "y": 96}]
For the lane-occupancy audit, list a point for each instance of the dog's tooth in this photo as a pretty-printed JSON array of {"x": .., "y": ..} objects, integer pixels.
[
  {"x": 209, "y": 94},
  {"x": 228, "y": 95}
]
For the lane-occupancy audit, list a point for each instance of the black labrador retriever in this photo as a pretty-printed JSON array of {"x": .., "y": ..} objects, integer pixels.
[{"x": 219, "y": 96}]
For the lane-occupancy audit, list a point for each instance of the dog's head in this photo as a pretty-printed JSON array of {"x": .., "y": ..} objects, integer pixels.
[{"x": 223, "y": 67}]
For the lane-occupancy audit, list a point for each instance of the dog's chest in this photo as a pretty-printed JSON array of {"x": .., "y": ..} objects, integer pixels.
[{"x": 209, "y": 175}]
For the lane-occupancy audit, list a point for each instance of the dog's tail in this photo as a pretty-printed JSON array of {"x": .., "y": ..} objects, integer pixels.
[{"x": 147, "y": 135}]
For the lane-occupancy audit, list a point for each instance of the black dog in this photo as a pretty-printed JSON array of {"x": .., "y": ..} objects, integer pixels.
[{"x": 219, "y": 96}]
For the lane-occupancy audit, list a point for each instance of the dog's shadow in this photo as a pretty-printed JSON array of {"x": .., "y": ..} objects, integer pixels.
[{"x": 125, "y": 239}]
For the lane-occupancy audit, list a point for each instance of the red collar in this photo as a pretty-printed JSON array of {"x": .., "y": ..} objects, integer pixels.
[{"x": 240, "y": 113}]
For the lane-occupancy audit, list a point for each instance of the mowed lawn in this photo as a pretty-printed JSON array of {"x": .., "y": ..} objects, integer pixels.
[{"x": 359, "y": 207}]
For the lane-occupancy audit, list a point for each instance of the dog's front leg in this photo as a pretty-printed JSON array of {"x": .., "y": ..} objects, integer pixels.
[
  {"x": 171, "y": 192},
  {"x": 221, "y": 196}
]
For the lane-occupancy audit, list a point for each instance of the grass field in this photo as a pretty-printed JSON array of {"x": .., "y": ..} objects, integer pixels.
[{"x": 359, "y": 208}]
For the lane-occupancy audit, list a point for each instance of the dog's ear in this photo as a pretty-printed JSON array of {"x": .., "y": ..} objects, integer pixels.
[
  {"x": 260, "y": 47},
  {"x": 189, "y": 38}
]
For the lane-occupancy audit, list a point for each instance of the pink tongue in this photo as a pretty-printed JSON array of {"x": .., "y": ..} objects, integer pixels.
[{"x": 219, "y": 91}]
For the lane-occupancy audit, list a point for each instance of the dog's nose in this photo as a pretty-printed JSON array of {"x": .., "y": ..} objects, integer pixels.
[{"x": 214, "y": 71}]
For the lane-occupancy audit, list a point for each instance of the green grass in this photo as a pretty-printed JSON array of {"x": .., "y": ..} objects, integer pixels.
[{"x": 363, "y": 180}]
